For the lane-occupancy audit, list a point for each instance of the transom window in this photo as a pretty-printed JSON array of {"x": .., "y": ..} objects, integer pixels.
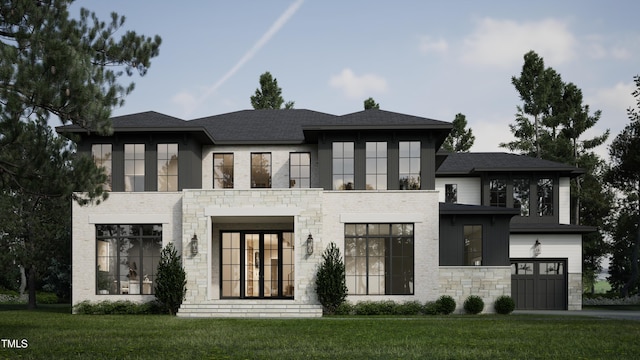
[
  {"x": 167, "y": 167},
  {"x": 343, "y": 165},
  {"x": 127, "y": 258},
  {"x": 299, "y": 170},
  {"x": 379, "y": 259},
  {"x": 409, "y": 165},
  {"x": 133, "y": 167},
  {"x": 473, "y": 245},
  {"x": 223, "y": 171},
  {"x": 102, "y": 157},
  {"x": 376, "y": 165},
  {"x": 260, "y": 170}
]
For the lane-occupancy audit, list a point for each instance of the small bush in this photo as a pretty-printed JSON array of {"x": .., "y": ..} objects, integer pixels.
[
  {"x": 374, "y": 308},
  {"x": 346, "y": 308},
  {"x": 504, "y": 305},
  {"x": 409, "y": 308},
  {"x": 172, "y": 279},
  {"x": 473, "y": 305},
  {"x": 46, "y": 298},
  {"x": 120, "y": 307},
  {"x": 431, "y": 308},
  {"x": 445, "y": 305}
]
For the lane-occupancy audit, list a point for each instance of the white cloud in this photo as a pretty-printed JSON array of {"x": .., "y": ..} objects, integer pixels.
[
  {"x": 431, "y": 45},
  {"x": 186, "y": 101},
  {"x": 355, "y": 86},
  {"x": 504, "y": 42},
  {"x": 616, "y": 97},
  {"x": 597, "y": 48}
]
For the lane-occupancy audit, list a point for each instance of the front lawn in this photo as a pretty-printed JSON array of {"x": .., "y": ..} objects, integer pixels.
[{"x": 57, "y": 334}]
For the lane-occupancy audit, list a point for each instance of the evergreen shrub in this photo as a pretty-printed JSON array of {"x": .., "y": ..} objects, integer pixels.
[
  {"x": 473, "y": 304},
  {"x": 504, "y": 305}
]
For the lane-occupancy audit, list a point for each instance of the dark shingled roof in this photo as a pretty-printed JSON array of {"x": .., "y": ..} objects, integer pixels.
[
  {"x": 472, "y": 163},
  {"x": 464, "y": 209},
  {"x": 286, "y": 126},
  {"x": 550, "y": 228}
]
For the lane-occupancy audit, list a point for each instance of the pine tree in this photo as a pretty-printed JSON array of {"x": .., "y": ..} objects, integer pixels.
[
  {"x": 459, "y": 139},
  {"x": 269, "y": 95},
  {"x": 171, "y": 279},
  {"x": 371, "y": 104},
  {"x": 330, "y": 279}
]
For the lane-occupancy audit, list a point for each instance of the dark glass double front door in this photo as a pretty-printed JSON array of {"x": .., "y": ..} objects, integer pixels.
[{"x": 257, "y": 264}]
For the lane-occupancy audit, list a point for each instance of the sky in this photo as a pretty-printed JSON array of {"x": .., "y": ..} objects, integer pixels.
[{"x": 432, "y": 59}]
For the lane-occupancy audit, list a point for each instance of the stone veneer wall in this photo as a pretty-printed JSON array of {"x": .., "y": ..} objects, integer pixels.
[
  {"x": 575, "y": 291},
  {"x": 488, "y": 282},
  {"x": 200, "y": 208}
]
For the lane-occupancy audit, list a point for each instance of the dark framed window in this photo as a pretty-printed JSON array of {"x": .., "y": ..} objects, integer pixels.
[
  {"x": 134, "y": 167},
  {"x": 522, "y": 268},
  {"x": 343, "y": 155},
  {"x": 167, "y": 167},
  {"x": 451, "y": 193},
  {"x": 223, "y": 171},
  {"x": 545, "y": 197},
  {"x": 260, "y": 170},
  {"x": 522, "y": 196},
  {"x": 257, "y": 264},
  {"x": 473, "y": 245},
  {"x": 376, "y": 165},
  {"x": 127, "y": 258},
  {"x": 379, "y": 259},
  {"x": 498, "y": 192},
  {"x": 409, "y": 165},
  {"x": 103, "y": 158},
  {"x": 300, "y": 170}
]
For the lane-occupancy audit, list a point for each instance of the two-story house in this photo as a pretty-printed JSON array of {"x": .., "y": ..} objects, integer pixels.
[{"x": 252, "y": 198}]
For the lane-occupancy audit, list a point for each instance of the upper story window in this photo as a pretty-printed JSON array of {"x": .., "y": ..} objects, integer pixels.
[
  {"x": 409, "y": 165},
  {"x": 498, "y": 192},
  {"x": 223, "y": 171},
  {"x": 343, "y": 165},
  {"x": 102, "y": 157},
  {"x": 260, "y": 170},
  {"x": 451, "y": 193},
  {"x": 545, "y": 197},
  {"x": 522, "y": 195},
  {"x": 133, "y": 167},
  {"x": 299, "y": 170},
  {"x": 376, "y": 165},
  {"x": 167, "y": 167},
  {"x": 473, "y": 245}
]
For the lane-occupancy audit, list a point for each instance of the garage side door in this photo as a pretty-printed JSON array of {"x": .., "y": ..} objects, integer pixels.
[{"x": 539, "y": 284}]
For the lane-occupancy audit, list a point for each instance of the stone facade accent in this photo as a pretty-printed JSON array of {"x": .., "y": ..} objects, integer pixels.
[
  {"x": 575, "y": 291},
  {"x": 488, "y": 282}
]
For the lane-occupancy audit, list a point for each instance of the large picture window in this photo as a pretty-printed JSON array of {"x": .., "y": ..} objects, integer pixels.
[
  {"x": 127, "y": 258},
  {"x": 133, "y": 167},
  {"x": 300, "y": 170},
  {"x": 376, "y": 165},
  {"x": 379, "y": 259},
  {"x": 223, "y": 171},
  {"x": 102, "y": 156},
  {"x": 409, "y": 165},
  {"x": 167, "y": 167},
  {"x": 260, "y": 170},
  {"x": 343, "y": 165}
]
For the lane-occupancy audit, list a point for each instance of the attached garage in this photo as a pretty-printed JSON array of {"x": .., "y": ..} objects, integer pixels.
[{"x": 539, "y": 284}]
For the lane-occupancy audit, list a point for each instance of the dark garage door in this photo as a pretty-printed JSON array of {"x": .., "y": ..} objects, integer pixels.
[{"x": 539, "y": 284}]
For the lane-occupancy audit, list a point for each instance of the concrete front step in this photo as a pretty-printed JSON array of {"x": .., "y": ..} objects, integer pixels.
[{"x": 250, "y": 309}]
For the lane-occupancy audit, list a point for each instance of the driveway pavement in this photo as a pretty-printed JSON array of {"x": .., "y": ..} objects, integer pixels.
[{"x": 605, "y": 314}]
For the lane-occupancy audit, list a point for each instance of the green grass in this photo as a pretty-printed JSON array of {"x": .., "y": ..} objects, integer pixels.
[{"x": 52, "y": 333}]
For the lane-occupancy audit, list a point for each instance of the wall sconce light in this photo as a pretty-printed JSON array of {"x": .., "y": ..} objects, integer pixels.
[
  {"x": 537, "y": 248},
  {"x": 309, "y": 244},
  {"x": 194, "y": 245}
]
